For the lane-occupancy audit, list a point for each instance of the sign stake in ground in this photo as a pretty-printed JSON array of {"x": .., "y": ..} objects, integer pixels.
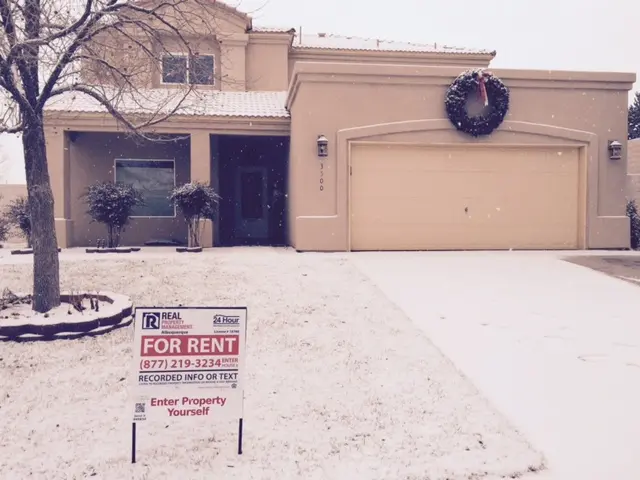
[
  {"x": 133, "y": 442},
  {"x": 188, "y": 362}
]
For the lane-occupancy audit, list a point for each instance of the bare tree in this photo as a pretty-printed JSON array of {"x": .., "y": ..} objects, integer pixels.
[{"x": 107, "y": 51}]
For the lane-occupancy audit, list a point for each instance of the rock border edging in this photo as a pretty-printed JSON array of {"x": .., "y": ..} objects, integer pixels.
[
  {"x": 112, "y": 250},
  {"x": 96, "y": 325}
]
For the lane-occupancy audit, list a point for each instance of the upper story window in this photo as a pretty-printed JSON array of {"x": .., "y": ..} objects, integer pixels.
[{"x": 195, "y": 69}]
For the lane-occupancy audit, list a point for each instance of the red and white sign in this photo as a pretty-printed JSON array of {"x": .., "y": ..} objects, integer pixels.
[{"x": 188, "y": 362}]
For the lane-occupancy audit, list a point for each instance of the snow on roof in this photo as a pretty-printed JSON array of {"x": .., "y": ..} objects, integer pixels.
[
  {"x": 339, "y": 42},
  {"x": 267, "y": 29},
  {"x": 163, "y": 100}
]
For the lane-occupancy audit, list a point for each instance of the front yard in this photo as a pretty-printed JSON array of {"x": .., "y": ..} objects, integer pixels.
[{"x": 340, "y": 384}]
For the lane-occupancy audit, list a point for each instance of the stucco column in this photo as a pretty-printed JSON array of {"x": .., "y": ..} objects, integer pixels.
[
  {"x": 58, "y": 159},
  {"x": 233, "y": 64},
  {"x": 201, "y": 172}
]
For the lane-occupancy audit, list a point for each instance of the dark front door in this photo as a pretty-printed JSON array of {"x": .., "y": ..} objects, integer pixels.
[{"x": 251, "y": 204}]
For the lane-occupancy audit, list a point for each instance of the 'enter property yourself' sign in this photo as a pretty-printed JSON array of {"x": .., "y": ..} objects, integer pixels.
[{"x": 189, "y": 362}]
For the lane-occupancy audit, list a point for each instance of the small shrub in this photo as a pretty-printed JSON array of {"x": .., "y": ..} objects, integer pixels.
[
  {"x": 196, "y": 201},
  {"x": 634, "y": 219},
  {"x": 18, "y": 215},
  {"x": 111, "y": 204},
  {"x": 4, "y": 227}
]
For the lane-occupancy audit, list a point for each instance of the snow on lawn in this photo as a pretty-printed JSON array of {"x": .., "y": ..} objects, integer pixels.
[{"x": 340, "y": 384}]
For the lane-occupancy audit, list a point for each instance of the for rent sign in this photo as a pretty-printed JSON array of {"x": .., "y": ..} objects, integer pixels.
[{"x": 188, "y": 362}]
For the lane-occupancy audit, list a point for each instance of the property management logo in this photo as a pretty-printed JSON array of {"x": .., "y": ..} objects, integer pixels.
[{"x": 151, "y": 321}]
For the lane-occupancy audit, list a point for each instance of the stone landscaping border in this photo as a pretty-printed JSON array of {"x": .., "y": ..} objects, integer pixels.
[
  {"x": 189, "y": 249},
  {"x": 112, "y": 250},
  {"x": 92, "y": 323},
  {"x": 162, "y": 243}
]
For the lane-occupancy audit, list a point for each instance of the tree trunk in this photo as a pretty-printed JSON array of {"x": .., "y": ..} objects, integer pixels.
[
  {"x": 196, "y": 231},
  {"x": 46, "y": 267},
  {"x": 109, "y": 236},
  {"x": 190, "y": 233}
]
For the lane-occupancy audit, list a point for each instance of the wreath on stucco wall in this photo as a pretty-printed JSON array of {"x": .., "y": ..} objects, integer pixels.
[{"x": 493, "y": 94}]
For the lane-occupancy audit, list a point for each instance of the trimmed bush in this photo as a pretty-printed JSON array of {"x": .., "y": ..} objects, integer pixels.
[
  {"x": 196, "y": 201},
  {"x": 4, "y": 227},
  {"x": 634, "y": 220},
  {"x": 18, "y": 215},
  {"x": 111, "y": 204}
]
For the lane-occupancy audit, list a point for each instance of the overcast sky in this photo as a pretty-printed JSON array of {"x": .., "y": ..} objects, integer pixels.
[{"x": 535, "y": 34}]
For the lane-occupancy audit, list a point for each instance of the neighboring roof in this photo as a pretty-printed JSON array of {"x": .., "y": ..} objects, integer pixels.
[
  {"x": 163, "y": 100},
  {"x": 338, "y": 42}
]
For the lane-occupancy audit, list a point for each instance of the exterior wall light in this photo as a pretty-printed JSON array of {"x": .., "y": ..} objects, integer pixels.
[
  {"x": 323, "y": 146},
  {"x": 615, "y": 150}
]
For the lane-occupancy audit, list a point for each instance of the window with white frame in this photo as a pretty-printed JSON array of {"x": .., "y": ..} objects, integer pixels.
[
  {"x": 155, "y": 179},
  {"x": 194, "y": 69}
]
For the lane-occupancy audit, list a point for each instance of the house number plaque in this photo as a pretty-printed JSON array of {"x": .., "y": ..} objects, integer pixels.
[{"x": 321, "y": 176}]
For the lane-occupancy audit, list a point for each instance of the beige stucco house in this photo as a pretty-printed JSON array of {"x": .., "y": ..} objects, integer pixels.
[{"x": 395, "y": 173}]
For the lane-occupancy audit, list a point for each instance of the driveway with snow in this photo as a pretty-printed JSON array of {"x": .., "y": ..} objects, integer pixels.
[{"x": 555, "y": 346}]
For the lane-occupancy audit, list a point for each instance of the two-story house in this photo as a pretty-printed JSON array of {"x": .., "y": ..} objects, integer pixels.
[{"x": 331, "y": 143}]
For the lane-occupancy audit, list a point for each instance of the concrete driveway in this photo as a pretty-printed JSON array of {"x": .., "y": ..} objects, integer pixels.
[{"x": 555, "y": 346}]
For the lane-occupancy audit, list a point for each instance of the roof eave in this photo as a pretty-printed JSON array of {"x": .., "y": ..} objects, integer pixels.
[
  {"x": 489, "y": 55},
  {"x": 104, "y": 122}
]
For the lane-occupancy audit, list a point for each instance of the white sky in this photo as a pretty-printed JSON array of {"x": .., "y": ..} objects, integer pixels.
[{"x": 533, "y": 34}]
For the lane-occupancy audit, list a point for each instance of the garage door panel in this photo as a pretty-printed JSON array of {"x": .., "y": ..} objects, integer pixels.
[
  {"x": 509, "y": 159},
  {"x": 445, "y": 237},
  {"x": 408, "y": 197}
]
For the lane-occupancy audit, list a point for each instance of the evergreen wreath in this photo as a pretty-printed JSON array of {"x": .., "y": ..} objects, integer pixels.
[{"x": 493, "y": 93}]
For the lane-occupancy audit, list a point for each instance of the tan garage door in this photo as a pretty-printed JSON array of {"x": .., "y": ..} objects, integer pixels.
[{"x": 442, "y": 198}]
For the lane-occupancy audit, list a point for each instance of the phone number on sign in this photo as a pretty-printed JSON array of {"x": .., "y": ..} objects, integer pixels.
[{"x": 179, "y": 363}]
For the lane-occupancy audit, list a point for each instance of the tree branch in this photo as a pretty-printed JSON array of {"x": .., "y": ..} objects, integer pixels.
[
  {"x": 86, "y": 34},
  {"x": 8, "y": 83},
  {"x": 16, "y": 129},
  {"x": 8, "y": 24}
]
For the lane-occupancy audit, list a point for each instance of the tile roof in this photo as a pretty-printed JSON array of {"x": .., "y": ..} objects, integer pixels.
[
  {"x": 232, "y": 9},
  {"x": 163, "y": 100},
  {"x": 338, "y": 42}
]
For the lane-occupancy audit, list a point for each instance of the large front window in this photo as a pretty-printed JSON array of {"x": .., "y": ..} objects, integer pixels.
[
  {"x": 155, "y": 179},
  {"x": 195, "y": 69}
]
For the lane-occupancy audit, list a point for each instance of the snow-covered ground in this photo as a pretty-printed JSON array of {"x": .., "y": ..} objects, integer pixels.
[
  {"x": 553, "y": 345},
  {"x": 340, "y": 383}
]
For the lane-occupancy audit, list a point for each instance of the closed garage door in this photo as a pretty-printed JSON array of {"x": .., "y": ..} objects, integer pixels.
[{"x": 443, "y": 198}]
